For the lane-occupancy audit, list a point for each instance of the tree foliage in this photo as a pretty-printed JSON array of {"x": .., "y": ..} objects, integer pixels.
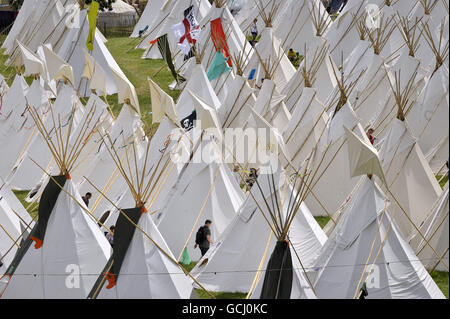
[{"x": 103, "y": 4}]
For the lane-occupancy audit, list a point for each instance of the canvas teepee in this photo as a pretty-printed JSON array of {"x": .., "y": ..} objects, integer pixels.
[
  {"x": 66, "y": 245},
  {"x": 223, "y": 267},
  {"x": 316, "y": 69},
  {"x": 300, "y": 23},
  {"x": 142, "y": 264},
  {"x": 18, "y": 130},
  {"x": 435, "y": 230},
  {"x": 148, "y": 17},
  {"x": 15, "y": 225},
  {"x": 27, "y": 175},
  {"x": 367, "y": 249}
]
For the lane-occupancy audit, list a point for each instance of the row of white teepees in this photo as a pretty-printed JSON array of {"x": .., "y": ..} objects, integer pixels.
[{"x": 388, "y": 215}]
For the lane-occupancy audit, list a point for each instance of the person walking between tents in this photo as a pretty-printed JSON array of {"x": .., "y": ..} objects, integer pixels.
[
  {"x": 110, "y": 235},
  {"x": 203, "y": 237},
  {"x": 86, "y": 198},
  {"x": 254, "y": 29},
  {"x": 292, "y": 55}
]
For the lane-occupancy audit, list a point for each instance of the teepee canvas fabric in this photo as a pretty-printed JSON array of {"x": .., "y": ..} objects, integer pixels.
[
  {"x": 62, "y": 252},
  {"x": 367, "y": 247}
]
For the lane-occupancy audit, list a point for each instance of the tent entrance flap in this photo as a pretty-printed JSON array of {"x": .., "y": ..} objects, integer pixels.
[
  {"x": 123, "y": 234},
  {"x": 278, "y": 278},
  {"x": 46, "y": 204},
  {"x": 37, "y": 234}
]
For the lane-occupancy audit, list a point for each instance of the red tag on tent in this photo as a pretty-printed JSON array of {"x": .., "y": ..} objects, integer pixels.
[
  {"x": 153, "y": 41},
  {"x": 111, "y": 280},
  {"x": 143, "y": 210},
  {"x": 219, "y": 39},
  {"x": 68, "y": 176},
  {"x": 38, "y": 242}
]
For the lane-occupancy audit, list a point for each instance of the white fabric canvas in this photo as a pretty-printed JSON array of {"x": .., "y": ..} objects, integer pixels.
[
  {"x": 11, "y": 229},
  {"x": 217, "y": 198},
  {"x": 4, "y": 87},
  {"x": 273, "y": 55},
  {"x": 330, "y": 163},
  {"x": 435, "y": 230},
  {"x": 236, "y": 107},
  {"x": 103, "y": 172},
  {"x": 295, "y": 27},
  {"x": 148, "y": 17},
  {"x": 324, "y": 79},
  {"x": 14, "y": 203},
  {"x": 303, "y": 132},
  {"x": 46, "y": 24},
  {"x": 236, "y": 261},
  {"x": 18, "y": 132},
  {"x": 28, "y": 173},
  {"x": 428, "y": 119},
  {"x": 396, "y": 273},
  {"x": 342, "y": 33},
  {"x": 74, "y": 248},
  {"x": 146, "y": 272},
  {"x": 19, "y": 22},
  {"x": 404, "y": 165},
  {"x": 13, "y": 98}
]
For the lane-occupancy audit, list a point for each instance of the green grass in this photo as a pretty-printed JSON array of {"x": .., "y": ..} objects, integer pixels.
[
  {"x": 220, "y": 295},
  {"x": 190, "y": 266},
  {"x": 442, "y": 180},
  {"x": 322, "y": 220},
  {"x": 33, "y": 210},
  {"x": 137, "y": 70},
  {"x": 441, "y": 279}
]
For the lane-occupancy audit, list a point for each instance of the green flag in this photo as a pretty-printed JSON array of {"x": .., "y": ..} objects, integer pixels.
[
  {"x": 92, "y": 17},
  {"x": 185, "y": 259},
  {"x": 218, "y": 66},
  {"x": 164, "y": 49}
]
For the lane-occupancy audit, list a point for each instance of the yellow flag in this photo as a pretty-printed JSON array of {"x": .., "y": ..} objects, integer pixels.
[{"x": 92, "y": 17}]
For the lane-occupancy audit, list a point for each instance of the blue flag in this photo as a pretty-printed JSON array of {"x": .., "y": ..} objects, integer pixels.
[{"x": 252, "y": 74}]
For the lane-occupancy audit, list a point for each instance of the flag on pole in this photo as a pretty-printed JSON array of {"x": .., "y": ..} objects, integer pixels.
[
  {"x": 218, "y": 66},
  {"x": 92, "y": 17},
  {"x": 185, "y": 259},
  {"x": 219, "y": 39},
  {"x": 187, "y": 32},
  {"x": 164, "y": 49}
]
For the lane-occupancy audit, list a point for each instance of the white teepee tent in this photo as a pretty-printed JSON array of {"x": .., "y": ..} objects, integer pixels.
[
  {"x": 238, "y": 258},
  {"x": 148, "y": 17},
  {"x": 66, "y": 245},
  {"x": 366, "y": 247},
  {"x": 28, "y": 174},
  {"x": 435, "y": 230},
  {"x": 404, "y": 164}
]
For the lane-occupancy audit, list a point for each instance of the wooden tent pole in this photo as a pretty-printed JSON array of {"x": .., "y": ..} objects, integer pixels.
[{"x": 154, "y": 243}]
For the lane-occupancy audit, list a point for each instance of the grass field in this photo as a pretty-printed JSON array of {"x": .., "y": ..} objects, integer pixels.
[{"x": 137, "y": 70}]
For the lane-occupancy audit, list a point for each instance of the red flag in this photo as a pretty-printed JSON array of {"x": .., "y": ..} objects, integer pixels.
[{"x": 219, "y": 40}]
